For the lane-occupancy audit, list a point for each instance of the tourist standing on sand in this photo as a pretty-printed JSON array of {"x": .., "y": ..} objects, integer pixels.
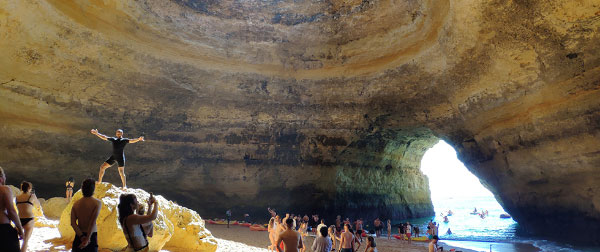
[
  {"x": 409, "y": 232},
  {"x": 338, "y": 222},
  {"x": 271, "y": 228},
  {"x": 348, "y": 239},
  {"x": 228, "y": 215},
  {"x": 322, "y": 243},
  {"x": 322, "y": 224},
  {"x": 389, "y": 229},
  {"x": 290, "y": 238},
  {"x": 83, "y": 219},
  {"x": 378, "y": 227},
  {"x": 132, "y": 222},
  {"x": 9, "y": 237},
  {"x": 69, "y": 186},
  {"x": 332, "y": 236},
  {"x": 371, "y": 246},
  {"x": 118, "y": 144},
  {"x": 359, "y": 228},
  {"x": 25, "y": 203}
]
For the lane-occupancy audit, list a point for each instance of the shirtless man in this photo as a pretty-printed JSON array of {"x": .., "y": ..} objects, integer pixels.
[
  {"x": 9, "y": 237},
  {"x": 291, "y": 238},
  {"x": 118, "y": 155},
  {"x": 347, "y": 242},
  {"x": 83, "y": 219}
]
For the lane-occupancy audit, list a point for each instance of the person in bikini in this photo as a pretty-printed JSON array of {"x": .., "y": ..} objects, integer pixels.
[
  {"x": 118, "y": 155},
  {"x": 132, "y": 223},
  {"x": 25, "y": 204},
  {"x": 9, "y": 237},
  {"x": 69, "y": 185},
  {"x": 84, "y": 213}
]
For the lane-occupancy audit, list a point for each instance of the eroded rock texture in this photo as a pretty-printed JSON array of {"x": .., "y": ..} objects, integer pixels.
[{"x": 310, "y": 105}]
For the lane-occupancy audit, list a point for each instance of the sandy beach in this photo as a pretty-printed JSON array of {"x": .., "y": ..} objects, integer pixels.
[
  {"x": 238, "y": 238},
  {"x": 260, "y": 240}
]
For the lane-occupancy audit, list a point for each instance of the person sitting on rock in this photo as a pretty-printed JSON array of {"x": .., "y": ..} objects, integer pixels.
[
  {"x": 9, "y": 237},
  {"x": 84, "y": 213},
  {"x": 25, "y": 204},
  {"x": 132, "y": 223}
]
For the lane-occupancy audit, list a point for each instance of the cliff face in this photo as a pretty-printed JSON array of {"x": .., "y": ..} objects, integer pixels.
[{"x": 311, "y": 106}]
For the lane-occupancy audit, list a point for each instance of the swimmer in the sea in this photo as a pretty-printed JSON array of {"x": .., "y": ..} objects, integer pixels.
[{"x": 118, "y": 155}]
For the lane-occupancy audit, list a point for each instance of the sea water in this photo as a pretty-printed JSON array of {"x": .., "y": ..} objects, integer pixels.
[{"x": 476, "y": 233}]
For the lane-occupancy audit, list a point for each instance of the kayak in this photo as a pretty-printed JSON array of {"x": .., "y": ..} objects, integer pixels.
[
  {"x": 419, "y": 239},
  {"x": 221, "y": 222},
  {"x": 258, "y": 228}
]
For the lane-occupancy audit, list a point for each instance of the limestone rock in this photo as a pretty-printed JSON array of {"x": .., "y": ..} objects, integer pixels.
[
  {"x": 54, "y": 207},
  {"x": 175, "y": 226},
  {"x": 305, "y": 105}
]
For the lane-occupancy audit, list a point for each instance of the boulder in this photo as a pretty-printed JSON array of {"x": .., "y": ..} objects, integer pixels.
[
  {"x": 54, "y": 207},
  {"x": 175, "y": 227}
]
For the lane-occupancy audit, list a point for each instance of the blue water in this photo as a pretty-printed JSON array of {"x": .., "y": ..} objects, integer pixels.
[{"x": 482, "y": 232}]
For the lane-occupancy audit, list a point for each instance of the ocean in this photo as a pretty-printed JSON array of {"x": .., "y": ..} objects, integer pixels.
[{"x": 473, "y": 232}]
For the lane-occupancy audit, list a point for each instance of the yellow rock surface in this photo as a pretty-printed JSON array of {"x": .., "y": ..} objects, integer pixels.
[
  {"x": 54, "y": 207},
  {"x": 176, "y": 227}
]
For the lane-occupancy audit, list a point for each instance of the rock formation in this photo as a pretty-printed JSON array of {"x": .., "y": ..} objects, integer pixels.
[
  {"x": 54, "y": 207},
  {"x": 310, "y": 105},
  {"x": 177, "y": 228}
]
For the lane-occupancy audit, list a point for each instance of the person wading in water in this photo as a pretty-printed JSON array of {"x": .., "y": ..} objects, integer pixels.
[{"x": 118, "y": 155}]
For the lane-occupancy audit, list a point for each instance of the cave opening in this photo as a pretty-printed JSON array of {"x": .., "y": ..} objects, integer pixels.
[{"x": 453, "y": 187}]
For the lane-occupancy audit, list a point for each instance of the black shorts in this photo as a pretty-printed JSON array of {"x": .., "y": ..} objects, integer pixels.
[
  {"x": 359, "y": 231},
  {"x": 118, "y": 158},
  {"x": 9, "y": 239},
  {"x": 91, "y": 247}
]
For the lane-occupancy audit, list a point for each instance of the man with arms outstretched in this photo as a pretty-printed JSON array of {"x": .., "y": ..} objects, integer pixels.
[
  {"x": 118, "y": 155},
  {"x": 291, "y": 239}
]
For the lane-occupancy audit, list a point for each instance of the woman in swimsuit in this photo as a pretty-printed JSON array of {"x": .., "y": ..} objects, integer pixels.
[
  {"x": 132, "y": 223},
  {"x": 332, "y": 236},
  {"x": 25, "y": 203},
  {"x": 70, "y": 183},
  {"x": 272, "y": 228}
]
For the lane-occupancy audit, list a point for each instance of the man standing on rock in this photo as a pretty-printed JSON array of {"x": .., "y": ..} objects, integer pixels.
[
  {"x": 83, "y": 219},
  {"x": 290, "y": 237},
  {"x": 118, "y": 155}
]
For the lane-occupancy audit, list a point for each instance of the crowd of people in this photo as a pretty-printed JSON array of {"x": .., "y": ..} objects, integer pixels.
[
  {"x": 18, "y": 224},
  {"x": 287, "y": 233}
]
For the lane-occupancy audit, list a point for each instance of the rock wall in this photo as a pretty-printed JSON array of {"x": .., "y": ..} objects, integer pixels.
[{"x": 302, "y": 105}]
